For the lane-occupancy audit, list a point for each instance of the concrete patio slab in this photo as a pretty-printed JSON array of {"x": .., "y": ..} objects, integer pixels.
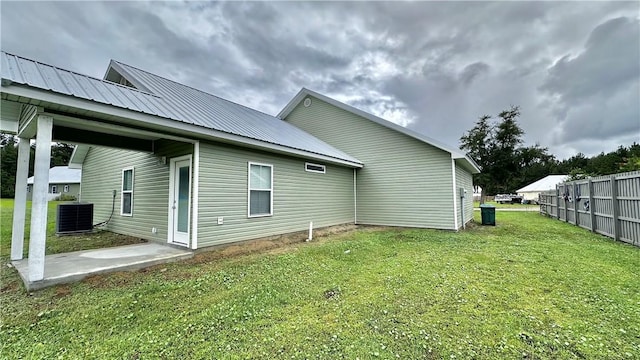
[{"x": 73, "y": 266}]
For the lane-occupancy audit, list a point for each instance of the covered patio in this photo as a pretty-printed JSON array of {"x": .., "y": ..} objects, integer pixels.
[
  {"x": 74, "y": 266},
  {"x": 48, "y": 104}
]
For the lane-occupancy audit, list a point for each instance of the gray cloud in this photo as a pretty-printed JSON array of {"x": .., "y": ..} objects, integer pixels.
[
  {"x": 432, "y": 66},
  {"x": 472, "y": 71},
  {"x": 596, "y": 94}
]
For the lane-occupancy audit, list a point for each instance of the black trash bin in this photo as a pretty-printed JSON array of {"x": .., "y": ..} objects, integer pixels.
[{"x": 488, "y": 213}]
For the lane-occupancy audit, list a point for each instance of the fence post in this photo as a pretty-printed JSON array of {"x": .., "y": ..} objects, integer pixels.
[
  {"x": 591, "y": 206},
  {"x": 557, "y": 203},
  {"x": 575, "y": 204},
  {"x": 566, "y": 206},
  {"x": 615, "y": 209}
]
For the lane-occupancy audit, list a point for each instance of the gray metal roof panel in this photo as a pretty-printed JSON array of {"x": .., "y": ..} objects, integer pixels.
[
  {"x": 210, "y": 111},
  {"x": 29, "y": 72},
  {"x": 167, "y": 99}
]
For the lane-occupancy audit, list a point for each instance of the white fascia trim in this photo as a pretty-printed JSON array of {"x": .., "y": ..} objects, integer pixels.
[
  {"x": 196, "y": 194},
  {"x": 455, "y": 193},
  {"x": 77, "y": 156},
  {"x": 304, "y": 92},
  {"x": 138, "y": 118}
]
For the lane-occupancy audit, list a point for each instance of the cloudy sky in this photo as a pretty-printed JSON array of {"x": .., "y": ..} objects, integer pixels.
[{"x": 435, "y": 67}]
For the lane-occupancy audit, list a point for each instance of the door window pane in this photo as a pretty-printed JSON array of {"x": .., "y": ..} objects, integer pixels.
[{"x": 183, "y": 199}]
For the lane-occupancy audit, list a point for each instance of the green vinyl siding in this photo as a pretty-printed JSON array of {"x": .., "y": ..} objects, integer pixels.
[
  {"x": 299, "y": 196},
  {"x": 102, "y": 174},
  {"x": 404, "y": 182},
  {"x": 464, "y": 180}
]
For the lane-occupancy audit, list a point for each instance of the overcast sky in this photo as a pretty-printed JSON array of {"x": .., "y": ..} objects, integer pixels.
[{"x": 572, "y": 67}]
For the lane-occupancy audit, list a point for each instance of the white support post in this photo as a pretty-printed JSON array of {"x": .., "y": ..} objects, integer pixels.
[
  {"x": 38, "y": 236},
  {"x": 20, "y": 200}
]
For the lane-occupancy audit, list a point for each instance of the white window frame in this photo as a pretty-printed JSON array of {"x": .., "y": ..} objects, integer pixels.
[
  {"x": 249, "y": 190},
  {"x": 122, "y": 191},
  {"x": 323, "y": 171},
  {"x": 54, "y": 189},
  {"x": 65, "y": 188}
]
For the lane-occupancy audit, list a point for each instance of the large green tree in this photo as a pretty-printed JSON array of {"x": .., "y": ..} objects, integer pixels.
[
  {"x": 497, "y": 148},
  {"x": 8, "y": 164},
  {"x": 60, "y": 156},
  {"x": 621, "y": 160}
]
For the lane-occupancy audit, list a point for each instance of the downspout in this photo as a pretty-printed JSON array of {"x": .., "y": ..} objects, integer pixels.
[
  {"x": 355, "y": 200},
  {"x": 462, "y": 209},
  {"x": 455, "y": 196}
]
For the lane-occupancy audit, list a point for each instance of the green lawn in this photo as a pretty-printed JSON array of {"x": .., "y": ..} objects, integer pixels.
[
  {"x": 508, "y": 206},
  {"x": 55, "y": 244},
  {"x": 530, "y": 287}
]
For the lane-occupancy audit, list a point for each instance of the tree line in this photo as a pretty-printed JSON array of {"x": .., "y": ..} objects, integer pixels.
[
  {"x": 496, "y": 145},
  {"x": 60, "y": 156}
]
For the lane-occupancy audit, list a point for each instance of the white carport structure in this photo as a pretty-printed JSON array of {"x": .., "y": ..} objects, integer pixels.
[{"x": 42, "y": 102}]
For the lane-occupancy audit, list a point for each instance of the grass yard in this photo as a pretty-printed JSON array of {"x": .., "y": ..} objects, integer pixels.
[
  {"x": 530, "y": 287},
  {"x": 476, "y": 204},
  {"x": 55, "y": 244}
]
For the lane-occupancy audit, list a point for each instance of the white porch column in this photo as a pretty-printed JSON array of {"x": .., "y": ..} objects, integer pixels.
[
  {"x": 38, "y": 236},
  {"x": 20, "y": 200}
]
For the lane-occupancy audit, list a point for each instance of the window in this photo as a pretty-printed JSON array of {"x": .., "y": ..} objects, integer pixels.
[
  {"x": 54, "y": 189},
  {"x": 260, "y": 190},
  {"x": 316, "y": 168},
  {"x": 126, "y": 198},
  {"x": 66, "y": 188}
]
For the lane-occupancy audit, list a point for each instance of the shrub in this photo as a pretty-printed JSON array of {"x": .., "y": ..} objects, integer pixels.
[{"x": 65, "y": 197}]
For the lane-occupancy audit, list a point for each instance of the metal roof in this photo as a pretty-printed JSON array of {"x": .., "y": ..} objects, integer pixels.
[
  {"x": 167, "y": 99},
  {"x": 16, "y": 69},
  {"x": 201, "y": 108},
  {"x": 304, "y": 92},
  {"x": 546, "y": 183},
  {"x": 62, "y": 175}
]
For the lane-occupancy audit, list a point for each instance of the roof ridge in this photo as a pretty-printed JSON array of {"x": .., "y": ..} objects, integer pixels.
[
  {"x": 194, "y": 88},
  {"x": 77, "y": 73}
]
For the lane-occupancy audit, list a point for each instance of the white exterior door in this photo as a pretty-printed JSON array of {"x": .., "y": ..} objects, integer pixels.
[{"x": 180, "y": 200}]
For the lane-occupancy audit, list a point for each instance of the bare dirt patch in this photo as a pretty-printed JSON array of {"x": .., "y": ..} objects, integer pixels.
[{"x": 272, "y": 244}]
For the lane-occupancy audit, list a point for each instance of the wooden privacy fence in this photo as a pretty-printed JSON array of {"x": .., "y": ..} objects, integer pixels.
[{"x": 608, "y": 205}]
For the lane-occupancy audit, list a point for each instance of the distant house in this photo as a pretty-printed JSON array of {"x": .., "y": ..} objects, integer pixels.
[
  {"x": 531, "y": 191},
  {"x": 62, "y": 181}
]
